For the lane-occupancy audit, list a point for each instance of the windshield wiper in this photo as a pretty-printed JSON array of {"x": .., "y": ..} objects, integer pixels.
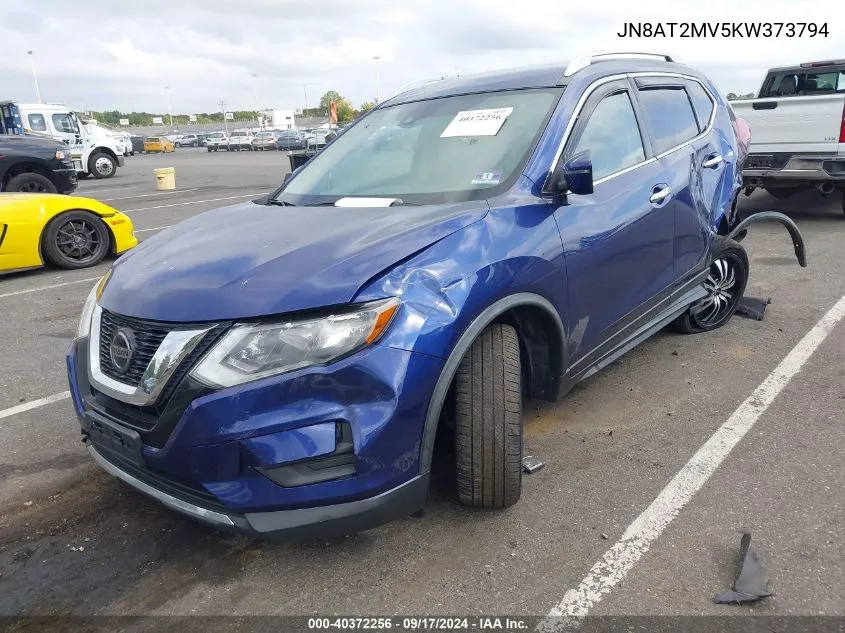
[
  {"x": 396, "y": 203},
  {"x": 280, "y": 203}
]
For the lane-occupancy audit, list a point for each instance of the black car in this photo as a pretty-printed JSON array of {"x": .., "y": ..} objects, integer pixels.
[
  {"x": 35, "y": 164},
  {"x": 137, "y": 143},
  {"x": 290, "y": 140}
]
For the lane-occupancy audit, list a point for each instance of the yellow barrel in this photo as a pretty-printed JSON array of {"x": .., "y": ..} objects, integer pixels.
[{"x": 165, "y": 178}]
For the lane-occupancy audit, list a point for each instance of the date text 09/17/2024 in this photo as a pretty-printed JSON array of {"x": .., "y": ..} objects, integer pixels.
[
  {"x": 419, "y": 624},
  {"x": 723, "y": 29}
]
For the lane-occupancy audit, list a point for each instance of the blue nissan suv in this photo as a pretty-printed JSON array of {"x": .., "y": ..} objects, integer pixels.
[{"x": 283, "y": 366}]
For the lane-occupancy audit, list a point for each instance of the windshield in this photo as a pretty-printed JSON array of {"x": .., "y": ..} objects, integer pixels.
[{"x": 428, "y": 152}]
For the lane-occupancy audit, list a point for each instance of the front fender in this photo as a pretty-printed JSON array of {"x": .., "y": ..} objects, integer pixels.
[{"x": 794, "y": 233}]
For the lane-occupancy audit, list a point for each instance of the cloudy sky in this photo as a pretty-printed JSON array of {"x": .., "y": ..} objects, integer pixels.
[{"x": 121, "y": 55}]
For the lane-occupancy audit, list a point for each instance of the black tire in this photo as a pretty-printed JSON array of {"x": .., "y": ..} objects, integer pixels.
[
  {"x": 97, "y": 165},
  {"x": 208, "y": 148},
  {"x": 488, "y": 420},
  {"x": 782, "y": 193},
  {"x": 714, "y": 310},
  {"x": 31, "y": 183},
  {"x": 59, "y": 247}
]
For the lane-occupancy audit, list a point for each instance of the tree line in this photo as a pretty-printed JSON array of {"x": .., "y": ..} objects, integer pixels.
[{"x": 345, "y": 112}]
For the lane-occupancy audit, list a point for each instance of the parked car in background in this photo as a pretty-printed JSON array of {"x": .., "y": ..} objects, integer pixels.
[
  {"x": 797, "y": 123},
  {"x": 137, "y": 143},
  {"x": 216, "y": 141},
  {"x": 158, "y": 144},
  {"x": 187, "y": 140},
  {"x": 201, "y": 139},
  {"x": 317, "y": 139},
  {"x": 35, "y": 164},
  {"x": 264, "y": 140},
  {"x": 64, "y": 231},
  {"x": 240, "y": 139},
  {"x": 514, "y": 234},
  {"x": 290, "y": 140}
]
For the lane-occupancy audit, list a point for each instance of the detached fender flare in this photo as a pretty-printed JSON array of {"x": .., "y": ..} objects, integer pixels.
[
  {"x": 794, "y": 233},
  {"x": 441, "y": 388}
]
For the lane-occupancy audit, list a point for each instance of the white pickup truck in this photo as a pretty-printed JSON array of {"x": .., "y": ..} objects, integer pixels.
[{"x": 797, "y": 127}]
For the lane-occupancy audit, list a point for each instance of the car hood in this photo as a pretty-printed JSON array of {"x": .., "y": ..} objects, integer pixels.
[{"x": 251, "y": 260}]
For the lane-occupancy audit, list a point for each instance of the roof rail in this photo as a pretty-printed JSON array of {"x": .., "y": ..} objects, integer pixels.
[
  {"x": 413, "y": 85},
  {"x": 582, "y": 61}
]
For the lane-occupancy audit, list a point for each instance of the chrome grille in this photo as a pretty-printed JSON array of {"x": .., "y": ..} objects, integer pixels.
[{"x": 148, "y": 338}]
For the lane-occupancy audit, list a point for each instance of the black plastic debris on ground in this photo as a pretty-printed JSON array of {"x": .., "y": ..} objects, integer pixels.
[
  {"x": 751, "y": 585},
  {"x": 752, "y": 307}
]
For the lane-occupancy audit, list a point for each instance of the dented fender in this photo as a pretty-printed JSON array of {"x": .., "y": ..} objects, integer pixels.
[{"x": 794, "y": 233}]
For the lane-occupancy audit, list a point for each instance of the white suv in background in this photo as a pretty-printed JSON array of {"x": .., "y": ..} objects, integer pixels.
[
  {"x": 240, "y": 139},
  {"x": 216, "y": 141}
]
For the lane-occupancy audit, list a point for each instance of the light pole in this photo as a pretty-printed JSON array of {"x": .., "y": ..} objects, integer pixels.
[
  {"x": 169, "y": 111},
  {"x": 376, "y": 58},
  {"x": 34, "y": 75},
  {"x": 305, "y": 90},
  {"x": 225, "y": 123},
  {"x": 255, "y": 94}
]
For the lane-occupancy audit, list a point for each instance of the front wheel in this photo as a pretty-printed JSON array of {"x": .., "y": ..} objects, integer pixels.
[
  {"x": 725, "y": 286},
  {"x": 101, "y": 165},
  {"x": 76, "y": 239},
  {"x": 31, "y": 183},
  {"x": 488, "y": 420}
]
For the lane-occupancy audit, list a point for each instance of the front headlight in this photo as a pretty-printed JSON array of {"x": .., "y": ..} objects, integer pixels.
[
  {"x": 250, "y": 351},
  {"x": 84, "y": 327}
]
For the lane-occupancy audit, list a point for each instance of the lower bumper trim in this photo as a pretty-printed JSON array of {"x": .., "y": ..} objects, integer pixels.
[
  {"x": 203, "y": 514},
  {"x": 300, "y": 523}
]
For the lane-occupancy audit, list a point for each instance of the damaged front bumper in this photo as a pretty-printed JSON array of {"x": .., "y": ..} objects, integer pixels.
[{"x": 773, "y": 216}]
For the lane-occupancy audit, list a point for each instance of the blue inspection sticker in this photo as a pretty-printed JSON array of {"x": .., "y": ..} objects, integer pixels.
[{"x": 487, "y": 178}]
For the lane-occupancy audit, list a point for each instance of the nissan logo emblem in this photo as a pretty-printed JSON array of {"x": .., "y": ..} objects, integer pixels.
[{"x": 121, "y": 348}]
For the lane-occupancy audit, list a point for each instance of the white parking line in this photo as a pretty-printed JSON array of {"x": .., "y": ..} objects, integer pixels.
[
  {"x": 646, "y": 528},
  {"x": 180, "y": 204},
  {"x": 82, "y": 192},
  {"x": 39, "y": 288},
  {"x": 149, "y": 195},
  {"x": 27, "y": 406},
  {"x": 155, "y": 228}
]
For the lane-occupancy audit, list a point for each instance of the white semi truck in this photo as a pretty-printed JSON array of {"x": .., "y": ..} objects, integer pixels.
[{"x": 94, "y": 151}]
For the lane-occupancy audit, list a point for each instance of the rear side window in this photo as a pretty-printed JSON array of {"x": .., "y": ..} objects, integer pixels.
[
  {"x": 670, "y": 116},
  {"x": 794, "y": 83},
  {"x": 702, "y": 103},
  {"x": 37, "y": 123},
  {"x": 612, "y": 136}
]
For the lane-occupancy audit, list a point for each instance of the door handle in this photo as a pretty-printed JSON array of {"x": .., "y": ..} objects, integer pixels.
[
  {"x": 660, "y": 195},
  {"x": 712, "y": 161}
]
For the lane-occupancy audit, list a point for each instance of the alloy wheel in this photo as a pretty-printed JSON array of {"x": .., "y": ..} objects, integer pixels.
[
  {"x": 721, "y": 296},
  {"x": 79, "y": 241},
  {"x": 33, "y": 187}
]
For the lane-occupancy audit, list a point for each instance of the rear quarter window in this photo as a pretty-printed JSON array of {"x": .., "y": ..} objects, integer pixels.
[
  {"x": 702, "y": 103},
  {"x": 37, "y": 123},
  {"x": 670, "y": 116}
]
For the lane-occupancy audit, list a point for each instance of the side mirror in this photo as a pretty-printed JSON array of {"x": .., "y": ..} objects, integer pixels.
[{"x": 574, "y": 175}]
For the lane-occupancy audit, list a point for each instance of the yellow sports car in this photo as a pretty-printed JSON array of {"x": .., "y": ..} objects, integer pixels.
[{"x": 65, "y": 231}]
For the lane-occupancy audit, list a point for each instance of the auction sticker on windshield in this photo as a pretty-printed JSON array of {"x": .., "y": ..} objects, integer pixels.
[
  {"x": 487, "y": 178},
  {"x": 477, "y": 122}
]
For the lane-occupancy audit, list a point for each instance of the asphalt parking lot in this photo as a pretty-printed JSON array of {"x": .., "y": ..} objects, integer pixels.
[{"x": 75, "y": 541}]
